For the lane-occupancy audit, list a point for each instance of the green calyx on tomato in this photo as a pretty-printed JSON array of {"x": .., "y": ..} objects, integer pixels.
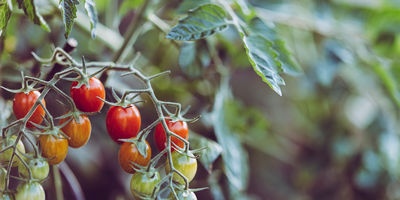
[
  {"x": 143, "y": 184},
  {"x": 185, "y": 163},
  {"x": 7, "y": 143},
  {"x": 86, "y": 96}
]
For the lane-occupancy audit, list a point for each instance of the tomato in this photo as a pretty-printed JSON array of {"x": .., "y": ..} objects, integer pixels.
[
  {"x": 5, "y": 156},
  {"x": 129, "y": 153},
  {"x": 3, "y": 178},
  {"x": 143, "y": 184},
  {"x": 23, "y": 103},
  {"x": 123, "y": 123},
  {"x": 179, "y": 127},
  {"x": 77, "y": 131},
  {"x": 39, "y": 168},
  {"x": 53, "y": 148},
  {"x": 183, "y": 195},
  {"x": 184, "y": 163},
  {"x": 86, "y": 98},
  {"x": 31, "y": 191}
]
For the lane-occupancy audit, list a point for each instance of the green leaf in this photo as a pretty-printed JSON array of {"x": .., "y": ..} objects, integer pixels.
[
  {"x": 190, "y": 4},
  {"x": 5, "y": 14},
  {"x": 68, "y": 8},
  {"x": 234, "y": 156},
  {"x": 193, "y": 58},
  {"x": 200, "y": 23},
  {"x": 90, "y": 7},
  {"x": 210, "y": 154},
  {"x": 30, "y": 10}
]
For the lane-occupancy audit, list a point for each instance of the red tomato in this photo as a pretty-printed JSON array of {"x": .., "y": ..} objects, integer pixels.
[
  {"x": 86, "y": 98},
  {"x": 22, "y": 103},
  {"x": 53, "y": 148},
  {"x": 129, "y": 153},
  {"x": 123, "y": 123},
  {"x": 179, "y": 127},
  {"x": 77, "y": 131}
]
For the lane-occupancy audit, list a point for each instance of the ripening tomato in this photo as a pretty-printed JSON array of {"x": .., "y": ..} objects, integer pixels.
[
  {"x": 22, "y": 104},
  {"x": 39, "y": 168},
  {"x": 143, "y": 184},
  {"x": 86, "y": 97},
  {"x": 129, "y": 153},
  {"x": 31, "y": 191},
  {"x": 53, "y": 148},
  {"x": 123, "y": 123},
  {"x": 184, "y": 163},
  {"x": 77, "y": 131},
  {"x": 5, "y": 156},
  {"x": 178, "y": 127}
]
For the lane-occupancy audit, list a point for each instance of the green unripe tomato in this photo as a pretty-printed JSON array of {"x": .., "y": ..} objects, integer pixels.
[
  {"x": 39, "y": 168},
  {"x": 31, "y": 191},
  {"x": 184, "y": 163},
  {"x": 183, "y": 195},
  {"x": 5, "y": 156},
  {"x": 143, "y": 184}
]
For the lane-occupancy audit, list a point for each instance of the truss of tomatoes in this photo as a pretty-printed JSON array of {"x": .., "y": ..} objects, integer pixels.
[{"x": 123, "y": 125}]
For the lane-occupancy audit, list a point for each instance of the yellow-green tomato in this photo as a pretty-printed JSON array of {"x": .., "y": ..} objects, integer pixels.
[
  {"x": 5, "y": 156},
  {"x": 185, "y": 163},
  {"x": 143, "y": 184},
  {"x": 31, "y": 191},
  {"x": 39, "y": 168}
]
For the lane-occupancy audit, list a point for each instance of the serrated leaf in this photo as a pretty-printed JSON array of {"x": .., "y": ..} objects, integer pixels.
[
  {"x": 30, "y": 10},
  {"x": 68, "y": 8},
  {"x": 193, "y": 58},
  {"x": 263, "y": 58},
  {"x": 201, "y": 22},
  {"x": 210, "y": 154},
  {"x": 233, "y": 151},
  {"x": 5, "y": 14},
  {"x": 90, "y": 7}
]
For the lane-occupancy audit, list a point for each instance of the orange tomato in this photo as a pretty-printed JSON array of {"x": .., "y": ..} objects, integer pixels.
[
  {"x": 129, "y": 153},
  {"x": 53, "y": 148},
  {"x": 77, "y": 131}
]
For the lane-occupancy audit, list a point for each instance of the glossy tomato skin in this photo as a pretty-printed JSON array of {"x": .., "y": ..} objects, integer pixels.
[
  {"x": 31, "y": 191},
  {"x": 78, "y": 131},
  {"x": 39, "y": 168},
  {"x": 5, "y": 156},
  {"x": 179, "y": 127},
  {"x": 129, "y": 153},
  {"x": 123, "y": 123},
  {"x": 86, "y": 97},
  {"x": 22, "y": 103},
  {"x": 53, "y": 148},
  {"x": 184, "y": 163},
  {"x": 143, "y": 184}
]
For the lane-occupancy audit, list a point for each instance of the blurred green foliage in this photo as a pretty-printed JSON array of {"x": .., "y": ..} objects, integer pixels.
[{"x": 333, "y": 134}]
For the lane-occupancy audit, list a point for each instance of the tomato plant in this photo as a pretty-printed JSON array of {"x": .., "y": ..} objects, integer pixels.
[
  {"x": 23, "y": 102},
  {"x": 38, "y": 167},
  {"x": 178, "y": 127},
  {"x": 54, "y": 148},
  {"x": 86, "y": 97},
  {"x": 31, "y": 191},
  {"x": 185, "y": 163},
  {"x": 5, "y": 156},
  {"x": 78, "y": 130},
  {"x": 142, "y": 184},
  {"x": 130, "y": 157},
  {"x": 123, "y": 123}
]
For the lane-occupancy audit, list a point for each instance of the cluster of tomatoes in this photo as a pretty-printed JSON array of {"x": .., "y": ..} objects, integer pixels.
[{"x": 123, "y": 122}]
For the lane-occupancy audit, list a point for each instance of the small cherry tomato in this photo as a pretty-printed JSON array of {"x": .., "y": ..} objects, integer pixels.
[
  {"x": 184, "y": 163},
  {"x": 31, "y": 191},
  {"x": 129, "y": 153},
  {"x": 143, "y": 184},
  {"x": 123, "y": 123},
  {"x": 53, "y": 148},
  {"x": 77, "y": 131},
  {"x": 23, "y": 103},
  {"x": 39, "y": 168},
  {"x": 179, "y": 127},
  {"x": 86, "y": 97},
  {"x": 5, "y": 156}
]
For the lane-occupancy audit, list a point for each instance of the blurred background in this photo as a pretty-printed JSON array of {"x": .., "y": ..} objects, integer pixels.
[{"x": 333, "y": 134}]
